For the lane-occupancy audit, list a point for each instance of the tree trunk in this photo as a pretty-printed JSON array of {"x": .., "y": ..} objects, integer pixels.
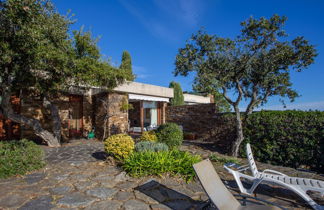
[
  {"x": 105, "y": 129},
  {"x": 8, "y": 112},
  {"x": 55, "y": 117},
  {"x": 239, "y": 133}
]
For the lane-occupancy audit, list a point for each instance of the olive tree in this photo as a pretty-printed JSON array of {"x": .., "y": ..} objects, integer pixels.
[
  {"x": 38, "y": 55},
  {"x": 253, "y": 66}
]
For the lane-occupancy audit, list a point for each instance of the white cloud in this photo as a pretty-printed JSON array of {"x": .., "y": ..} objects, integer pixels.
[
  {"x": 140, "y": 72},
  {"x": 186, "y": 12}
]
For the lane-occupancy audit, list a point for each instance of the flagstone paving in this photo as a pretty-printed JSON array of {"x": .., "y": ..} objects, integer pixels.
[{"x": 77, "y": 177}]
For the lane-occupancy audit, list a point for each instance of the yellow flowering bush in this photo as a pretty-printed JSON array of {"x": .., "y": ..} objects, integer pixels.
[
  {"x": 119, "y": 145},
  {"x": 149, "y": 136}
]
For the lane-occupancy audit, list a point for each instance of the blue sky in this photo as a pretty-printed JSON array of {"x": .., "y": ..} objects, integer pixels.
[{"x": 153, "y": 30}]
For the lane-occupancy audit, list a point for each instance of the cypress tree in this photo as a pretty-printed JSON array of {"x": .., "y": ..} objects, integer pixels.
[
  {"x": 126, "y": 64},
  {"x": 178, "y": 98}
]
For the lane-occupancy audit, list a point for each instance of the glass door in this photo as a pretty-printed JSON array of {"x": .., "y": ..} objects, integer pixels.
[{"x": 150, "y": 113}]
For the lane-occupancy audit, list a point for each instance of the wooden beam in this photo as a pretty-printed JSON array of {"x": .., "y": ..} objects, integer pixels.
[
  {"x": 159, "y": 113},
  {"x": 142, "y": 116}
]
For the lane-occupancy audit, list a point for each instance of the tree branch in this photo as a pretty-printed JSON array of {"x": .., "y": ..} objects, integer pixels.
[
  {"x": 226, "y": 96},
  {"x": 239, "y": 88}
]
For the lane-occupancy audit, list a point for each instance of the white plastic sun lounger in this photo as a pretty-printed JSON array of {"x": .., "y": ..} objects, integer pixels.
[
  {"x": 296, "y": 184},
  {"x": 216, "y": 190}
]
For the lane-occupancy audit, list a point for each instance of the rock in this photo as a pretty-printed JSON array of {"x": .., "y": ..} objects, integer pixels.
[
  {"x": 84, "y": 185},
  {"x": 5, "y": 190},
  {"x": 106, "y": 181},
  {"x": 147, "y": 199},
  {"x": 178, "y": 204},
  {"x": 135, "y": 205},
  {"x": 76, "y": 162},
  {"x": 159, "y": 207},
  {"x": 33, "y": 178},
  {"x": 81, "y": 177},
  {"x": 61, "y": 177},
  {"x": 60, "y": 190},
  {"x": 111, "y": 205},
  {"x": 123, "y": 196},
  {"x": 121, "y": 177},
  {"x": 43, "y": 202},
  {"x": 194, "y": 187},
  {"x": 101, "y": 192},
  {"x": 75, "y": 200},
  {"x": 126, "y": 186},
  {"x": 13, "y": 200}
]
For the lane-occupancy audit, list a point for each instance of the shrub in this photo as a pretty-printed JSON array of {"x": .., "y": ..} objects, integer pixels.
[
  {"x": 156, "y": 163},
  {"x": 148, "y": 136},
  {"x": 148, "y": 146},
  {"x": 120, "y": 146},
  {"x": 223, "y": 160},
  {"x": 170, "y": 134},
  {"x": 287, "y": 138},
  {"x": 19, "y": 157}
]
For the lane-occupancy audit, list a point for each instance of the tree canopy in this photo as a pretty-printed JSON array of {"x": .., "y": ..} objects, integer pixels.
[
  {"x": 38, "y": 54},
  {"x": 254, "y": 66}
]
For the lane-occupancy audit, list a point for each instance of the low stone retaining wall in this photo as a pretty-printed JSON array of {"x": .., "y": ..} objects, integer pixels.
[{"x": 205, "y": 121}]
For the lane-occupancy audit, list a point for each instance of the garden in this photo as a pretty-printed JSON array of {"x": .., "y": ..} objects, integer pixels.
[{"x": 154, "y": 153}]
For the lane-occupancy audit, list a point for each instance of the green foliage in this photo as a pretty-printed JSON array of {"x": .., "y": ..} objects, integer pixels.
[
  {"x": 222, "y": 160},
  {"x": 38, "y": 54},
  {"x": 157, "y": 163},
  {"x": 170, "y": 134},
  {"x": 287, "y": 138},
  {"x": 255, "y": 65},
  {"x": 120, "y": 146},
  {"x": 148, "y": 136},
  {"x": 149, "y": 146},
  {"x": 178, "y": 98},
  {"x": 126, "y": 65},
  {"x": 221, "y": 103},
  {"x": 19, "y": 157},
  {"x": 126, "y": 106}
]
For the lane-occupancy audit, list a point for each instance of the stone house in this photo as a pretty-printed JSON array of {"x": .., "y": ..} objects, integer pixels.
[{"x": 100, "y": 110}]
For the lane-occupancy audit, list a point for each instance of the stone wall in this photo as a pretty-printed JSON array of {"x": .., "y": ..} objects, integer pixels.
[
  {"x": 109, "y": 105},
  {"x": 87, "y": 113},
  {"x": 118, "y": 123},
  {"x": 203, "y": 120},
  {"x": 32, "y": 107}
]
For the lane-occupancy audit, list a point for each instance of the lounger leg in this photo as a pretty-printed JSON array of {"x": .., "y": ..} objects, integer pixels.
[
  {"x": 256, "y": 182},
  {"x": 302, "y": 193},
  {"x": 250, "y": 191},
  {"x": 239, "y": 183}
]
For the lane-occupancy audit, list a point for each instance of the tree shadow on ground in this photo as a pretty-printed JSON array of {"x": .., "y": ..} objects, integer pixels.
[
  {"x": 100, "y": 155},
  {"x": 273, "y": 193},
  {"x": 209, "y": 146},
  {"x": 168, "y": 197}
]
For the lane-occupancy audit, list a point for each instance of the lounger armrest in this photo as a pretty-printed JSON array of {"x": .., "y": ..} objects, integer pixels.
[
  {"x": 274, "y": 172},
  {"x": 236, "y": 166}
]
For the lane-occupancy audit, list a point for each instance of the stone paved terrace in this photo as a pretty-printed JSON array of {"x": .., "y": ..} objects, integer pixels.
[{"x": 76, "y": 177}]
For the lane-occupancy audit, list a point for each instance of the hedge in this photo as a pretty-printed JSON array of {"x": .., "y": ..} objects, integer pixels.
[{"x": 286, "y": 138}]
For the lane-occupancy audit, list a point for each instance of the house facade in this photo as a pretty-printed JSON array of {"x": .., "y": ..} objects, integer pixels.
[{"x": 130, "y": 107}]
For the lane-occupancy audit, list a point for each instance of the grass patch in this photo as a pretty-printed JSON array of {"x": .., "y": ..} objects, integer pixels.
[
  {"x": 174, "y": 162},
  {"x": 19, "y": 157},
  {"x": 223, "y": 160}
]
